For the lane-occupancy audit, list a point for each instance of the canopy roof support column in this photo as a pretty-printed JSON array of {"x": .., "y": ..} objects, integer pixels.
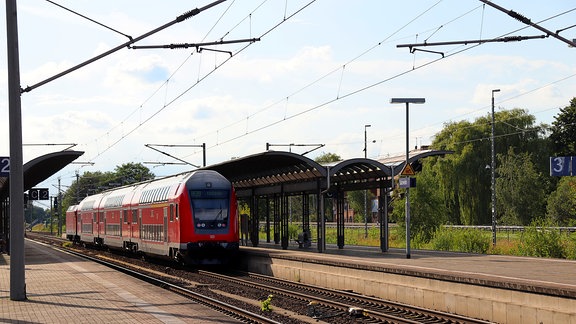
[
  {"x": 340, "y": 218},
  {"x": 320, "y": 220},
  {"x": 383, "y": 218},
  {"x": 276, "y": 219},
  {"x": 284, "y": 232},
  {"x": 267, "y": 219},
  {"x": 255, "y": 224}
]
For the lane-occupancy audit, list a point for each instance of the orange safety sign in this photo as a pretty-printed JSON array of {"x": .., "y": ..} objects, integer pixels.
[{"x": 408, "y": 171}]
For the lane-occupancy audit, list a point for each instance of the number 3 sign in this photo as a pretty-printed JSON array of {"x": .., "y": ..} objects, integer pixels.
[{"x": 561, "y": 166}]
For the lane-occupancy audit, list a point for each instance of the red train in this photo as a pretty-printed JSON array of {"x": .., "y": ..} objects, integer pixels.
[{"x": 190, "y": 217}]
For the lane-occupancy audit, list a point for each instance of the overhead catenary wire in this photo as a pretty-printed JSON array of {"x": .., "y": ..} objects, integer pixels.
[
  {"x": 177, "y": 97},
  {"x": 220, "y": 142},
  {"x": 178, "y": 19},
  {"x": 90, "y": 19},
  {"x": 283, "y": 99}
]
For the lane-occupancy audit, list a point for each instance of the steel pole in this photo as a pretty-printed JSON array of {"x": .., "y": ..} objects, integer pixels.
[
  {"x": 407, "y": 188},
  {"x": 493, "y": 174},
  {"x": 17, "y": 281},
  {"x": 365, "y": 193}
]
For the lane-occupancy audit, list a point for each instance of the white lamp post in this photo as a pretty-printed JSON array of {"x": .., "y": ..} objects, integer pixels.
[{"x": 407, "y": 101}]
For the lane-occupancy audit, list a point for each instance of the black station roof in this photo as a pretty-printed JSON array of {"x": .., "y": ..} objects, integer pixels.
[
  {"x": 40, "y": 169},
  {"x": 268, "y": 169},
  {"x": 276, "y": 171}
]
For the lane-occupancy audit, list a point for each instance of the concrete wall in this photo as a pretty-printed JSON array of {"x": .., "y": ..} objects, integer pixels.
[{"x": 487, "y": 303}]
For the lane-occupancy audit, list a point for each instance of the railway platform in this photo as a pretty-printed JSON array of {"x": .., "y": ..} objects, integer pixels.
[
  {"x": 62, "y": 288},
  {"x": 496, "y": 288}
]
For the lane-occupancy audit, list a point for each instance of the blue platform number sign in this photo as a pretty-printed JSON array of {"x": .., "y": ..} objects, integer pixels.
[
  {"x": 561, "y": 166},
  {"x": 4, "y": 166}
]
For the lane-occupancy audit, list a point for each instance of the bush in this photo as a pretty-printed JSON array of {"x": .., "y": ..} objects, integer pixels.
[
  {"x": 570, "y": 247},
  {"x": 471, "y": 241},
  {"x": 442, "y": 239},
  {"x": 539, "y": 240}
]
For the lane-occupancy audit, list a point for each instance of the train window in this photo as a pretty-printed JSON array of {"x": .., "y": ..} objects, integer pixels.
[
  {"x": 94, "y": 218},
  {"x": 135, "y": 216},
  {"x": 125, "y": 216},
  {"x": 210, "y": 208},
  {"x": 171, "y": 212},
  {"x": 177, "y": 216}
]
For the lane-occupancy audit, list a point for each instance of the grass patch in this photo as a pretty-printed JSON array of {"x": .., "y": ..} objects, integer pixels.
[{"x": 536, "y": 240}]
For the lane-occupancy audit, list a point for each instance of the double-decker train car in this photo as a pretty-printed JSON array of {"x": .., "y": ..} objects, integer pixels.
[{"x": 191, "y": 217}]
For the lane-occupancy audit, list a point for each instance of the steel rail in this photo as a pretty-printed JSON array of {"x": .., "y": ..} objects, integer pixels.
[
  {"x": 369, "y": 307},
  {"x": 223, "y": 307}
]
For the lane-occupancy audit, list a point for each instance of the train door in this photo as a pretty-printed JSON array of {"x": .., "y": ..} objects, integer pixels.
[
  {"x": 165, "y": 224},
  {"x": 123, "y": 219},
  {"x": 139, "y": 227},
  {"x": 134, "y": 224},
  {"x": 95, "y": 224}
]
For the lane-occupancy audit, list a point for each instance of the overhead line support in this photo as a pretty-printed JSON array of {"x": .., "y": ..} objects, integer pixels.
[
  {"x": 466, "y": 42},
  {"x": 527, "y": 21},
  {"x": 126, "y": 44},
  {"x": 196, "y": 45}
]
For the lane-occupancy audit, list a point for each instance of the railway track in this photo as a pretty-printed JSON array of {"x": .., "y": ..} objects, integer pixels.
[
  {"x": 313, "y": 303},
  {"x": 327, "y": 303},
  {"x": 243, "y": 315}
]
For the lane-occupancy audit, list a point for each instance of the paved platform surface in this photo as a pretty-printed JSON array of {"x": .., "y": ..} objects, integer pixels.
[
  {"x": 61, "y": 288},
  {"x": 541, "y": 275}
]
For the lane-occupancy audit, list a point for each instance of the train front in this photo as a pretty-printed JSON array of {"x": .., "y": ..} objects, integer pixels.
[{"x": 214, "y": 235}]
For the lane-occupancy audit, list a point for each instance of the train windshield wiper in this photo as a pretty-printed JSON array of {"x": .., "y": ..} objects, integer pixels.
[{"x": 219, "y": 214}]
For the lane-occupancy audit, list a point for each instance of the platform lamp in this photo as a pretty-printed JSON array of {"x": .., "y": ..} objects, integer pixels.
[{"x": 407, "y": 101}]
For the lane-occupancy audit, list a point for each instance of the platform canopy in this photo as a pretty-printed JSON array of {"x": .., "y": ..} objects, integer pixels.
[
  {"x": 273, "y": 172},
  {"x": 40, "y": 169}
]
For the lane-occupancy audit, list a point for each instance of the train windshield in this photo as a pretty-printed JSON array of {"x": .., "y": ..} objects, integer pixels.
[{"x": 210, "y": 208}]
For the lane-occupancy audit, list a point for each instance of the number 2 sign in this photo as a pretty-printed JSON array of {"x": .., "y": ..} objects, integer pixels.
[{"x": 4, "y": 166}]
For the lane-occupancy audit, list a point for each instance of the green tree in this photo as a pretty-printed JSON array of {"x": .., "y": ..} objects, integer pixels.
[
  {"x": 520, "y": 197},
  {"x": 86, "y": 184},
  {"x": 91, "y": 183},
  {"x": 356, "y": 200},
  {"x": 427, "y": 209},
  {"x": 132, "y": 172},
  {"x": 563, "y": 131},
  {"x": 328, "y": 157},
  {"x": 464, "y": 177},
  {"x": 561, "y": 208}
]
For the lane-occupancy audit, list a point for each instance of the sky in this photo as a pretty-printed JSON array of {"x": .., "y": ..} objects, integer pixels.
[{"x": 317, "y": 72}]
